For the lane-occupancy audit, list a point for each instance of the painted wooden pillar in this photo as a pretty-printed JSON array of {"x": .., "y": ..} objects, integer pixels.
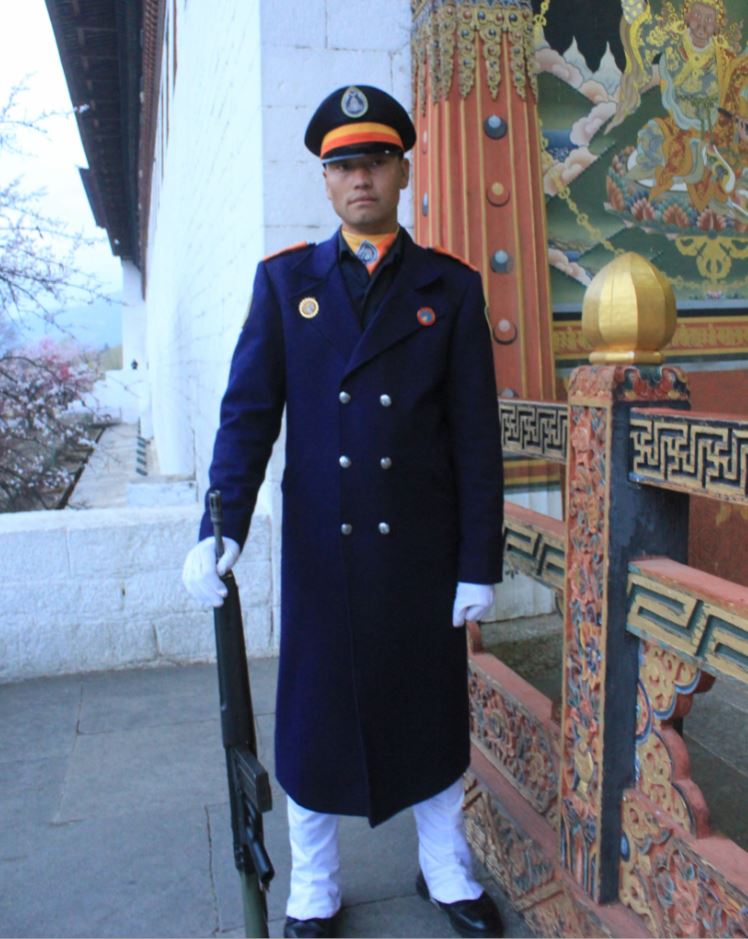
[
  {"x": 478, "y": 178},
  {"x": 629, "y": 314}
]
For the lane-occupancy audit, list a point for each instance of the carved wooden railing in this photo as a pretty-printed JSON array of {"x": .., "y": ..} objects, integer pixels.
[{"x": 589, "y": 818}]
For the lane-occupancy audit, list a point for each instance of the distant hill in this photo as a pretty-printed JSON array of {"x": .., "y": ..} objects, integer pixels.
[{"x": 97, "y": 325}]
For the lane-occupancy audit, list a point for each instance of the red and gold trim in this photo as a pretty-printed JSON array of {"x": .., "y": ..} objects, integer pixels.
[{"x": 360, "y": 132}]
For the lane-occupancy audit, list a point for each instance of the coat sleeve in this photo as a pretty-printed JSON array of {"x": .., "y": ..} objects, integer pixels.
[
  {"x": 475, "y": 437},
  {"x": 251, "y": 412}
]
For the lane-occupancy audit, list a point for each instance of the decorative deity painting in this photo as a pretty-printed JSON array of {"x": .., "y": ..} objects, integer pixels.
[{"x": 644, "y": 109}]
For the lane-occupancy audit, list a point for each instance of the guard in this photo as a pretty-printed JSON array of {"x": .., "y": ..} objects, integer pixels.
[{"x": 379, "y": 353}]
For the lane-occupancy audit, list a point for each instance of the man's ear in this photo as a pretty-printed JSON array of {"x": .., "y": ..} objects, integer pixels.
[
  {"x": 327, "y": 182},
  {"x": 404, "y": 173}
]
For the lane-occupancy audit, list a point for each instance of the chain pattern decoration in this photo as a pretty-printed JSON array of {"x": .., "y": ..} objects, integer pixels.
[{"x": 563, "y": 192}]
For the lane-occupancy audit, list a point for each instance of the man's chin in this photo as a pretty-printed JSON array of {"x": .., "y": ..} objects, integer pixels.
[
  {"x": 362, "y": 218},
  {"x": 363, "y": 210}
]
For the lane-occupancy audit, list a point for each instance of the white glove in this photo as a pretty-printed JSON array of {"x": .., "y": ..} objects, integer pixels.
[
  {"x": 472, "y": 601},
  {"x": 201, "y": 574}
]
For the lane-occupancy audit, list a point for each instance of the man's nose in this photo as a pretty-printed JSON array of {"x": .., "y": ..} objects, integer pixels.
[{"x": 362, "y": 176}]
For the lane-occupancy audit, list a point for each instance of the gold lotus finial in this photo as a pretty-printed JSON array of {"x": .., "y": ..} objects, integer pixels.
[{"x": 629, "y": 314}]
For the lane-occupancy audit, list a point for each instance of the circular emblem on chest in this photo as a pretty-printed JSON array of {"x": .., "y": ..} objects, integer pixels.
[
  {"x": 354, "y": 102},
  {"x": 309, "y": 308},
  {"x": 426, "y": 316}
]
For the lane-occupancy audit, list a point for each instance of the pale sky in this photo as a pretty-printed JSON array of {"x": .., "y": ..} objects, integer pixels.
[{"x": 28, "y": 49}]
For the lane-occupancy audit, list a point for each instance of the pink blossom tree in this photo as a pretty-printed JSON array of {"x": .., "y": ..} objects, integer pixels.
[{"x": 42, "y": 434}]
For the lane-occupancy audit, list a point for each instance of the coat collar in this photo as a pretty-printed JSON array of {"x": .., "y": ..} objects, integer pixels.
[{"x": 319, "y": 276}]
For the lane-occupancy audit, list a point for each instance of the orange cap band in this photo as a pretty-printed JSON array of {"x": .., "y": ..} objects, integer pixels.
[{"x": 349, "y": 135}]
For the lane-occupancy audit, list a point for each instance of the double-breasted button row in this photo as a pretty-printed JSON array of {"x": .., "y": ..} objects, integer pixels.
[
  {"x": 345, "y": 398},
  {"x": 345, "y": 461},
  {"x": 347, "y": 529},
  {"x": 385, "y": 462}
]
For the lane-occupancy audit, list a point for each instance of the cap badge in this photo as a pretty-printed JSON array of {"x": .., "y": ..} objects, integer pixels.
[
  {"x": 309, "y": 308},
  {"x": 367, "y": 252},
  {"x": 426, "y": 316},
  {"x": 354, "y": 102}
]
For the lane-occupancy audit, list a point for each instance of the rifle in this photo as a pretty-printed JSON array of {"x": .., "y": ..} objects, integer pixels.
[{"x": 249, "y": 785}]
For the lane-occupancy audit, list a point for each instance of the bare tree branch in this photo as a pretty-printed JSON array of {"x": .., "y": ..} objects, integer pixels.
[{"x": 43, "y": 427}]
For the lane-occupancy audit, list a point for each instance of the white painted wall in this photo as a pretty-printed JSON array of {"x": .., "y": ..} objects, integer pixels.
[
  {"x": 205, "y": 227},
  {"x": 102, "y": 589}
]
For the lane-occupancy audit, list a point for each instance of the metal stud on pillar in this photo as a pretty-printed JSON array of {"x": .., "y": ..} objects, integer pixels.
[{"x": 479, "y": 179}]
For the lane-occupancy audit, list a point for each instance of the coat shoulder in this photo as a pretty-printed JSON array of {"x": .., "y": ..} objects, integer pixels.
[
  {"x": 443, "y": 252},
  {"x": 291, "y": 249}
]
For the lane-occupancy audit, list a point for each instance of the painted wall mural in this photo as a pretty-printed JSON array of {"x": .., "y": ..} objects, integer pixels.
[{"x": 644, "y": 108}]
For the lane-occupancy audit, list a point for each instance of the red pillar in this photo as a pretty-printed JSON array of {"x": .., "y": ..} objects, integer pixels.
[{"x": 478, "y": 179}]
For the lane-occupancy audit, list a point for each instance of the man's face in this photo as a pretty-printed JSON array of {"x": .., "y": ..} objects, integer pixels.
[
  {"x": 702, "y": 24},
  {"x": 365, "y": 191}
]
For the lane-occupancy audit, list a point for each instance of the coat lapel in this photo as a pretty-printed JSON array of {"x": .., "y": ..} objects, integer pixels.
[
  {"x": 397, "y": 316},
  {"x": 319, "y": 277}
]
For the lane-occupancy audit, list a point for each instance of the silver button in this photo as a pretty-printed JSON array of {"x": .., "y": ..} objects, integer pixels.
[
  {"x": 384, "y": 528},
  {"x": 385, "y": 400},
  {"x": 345, "y": 461},
  {"x": 344, "y": 397},
  {"x": 385, "y": 462},
  {"x": 346, "y": 529}
]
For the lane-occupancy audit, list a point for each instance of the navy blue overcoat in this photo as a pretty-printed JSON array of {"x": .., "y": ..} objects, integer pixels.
[{"x": 392, "y": 493}]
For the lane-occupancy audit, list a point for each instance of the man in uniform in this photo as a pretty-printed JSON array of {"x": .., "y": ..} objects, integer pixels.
[{"x": 380, "y": 353}]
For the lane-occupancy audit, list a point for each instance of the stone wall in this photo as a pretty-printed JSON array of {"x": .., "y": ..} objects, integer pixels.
[{"x": 102, "y": 589}]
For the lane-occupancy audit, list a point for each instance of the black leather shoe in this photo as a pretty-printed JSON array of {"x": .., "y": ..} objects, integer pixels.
[
  {"x": 311, "y": 928},
  {"x": 477, "y": 917}
]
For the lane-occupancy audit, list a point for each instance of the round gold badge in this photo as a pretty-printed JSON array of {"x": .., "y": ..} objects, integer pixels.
[{"x": 309, "y": 308}]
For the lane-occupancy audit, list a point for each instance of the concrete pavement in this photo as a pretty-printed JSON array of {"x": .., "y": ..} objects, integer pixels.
[{"x": 115, "y": 822}]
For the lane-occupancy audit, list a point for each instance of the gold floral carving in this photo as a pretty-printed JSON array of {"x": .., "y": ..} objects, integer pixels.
[
  {"x": 655, "y": 765},
  {"x": 516, "y": 862},
  {"x": 641, "y": 832},
  {"x": 526, "y": 874},
  {"x": 696, "y": 337},
  {"x": 471, "y": 28},
  {"x": 668, "y": 884},
  {"x": 663, "y": 771},
  {"x": 514, "y": 740},
  {"x": 662, "y": 673}
]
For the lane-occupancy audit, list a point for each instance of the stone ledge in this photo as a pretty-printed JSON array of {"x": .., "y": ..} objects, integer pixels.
[{"x": 102, "y": 589}]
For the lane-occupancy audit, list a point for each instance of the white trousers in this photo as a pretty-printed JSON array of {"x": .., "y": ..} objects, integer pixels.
[{"x": 443, "y": 854}]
